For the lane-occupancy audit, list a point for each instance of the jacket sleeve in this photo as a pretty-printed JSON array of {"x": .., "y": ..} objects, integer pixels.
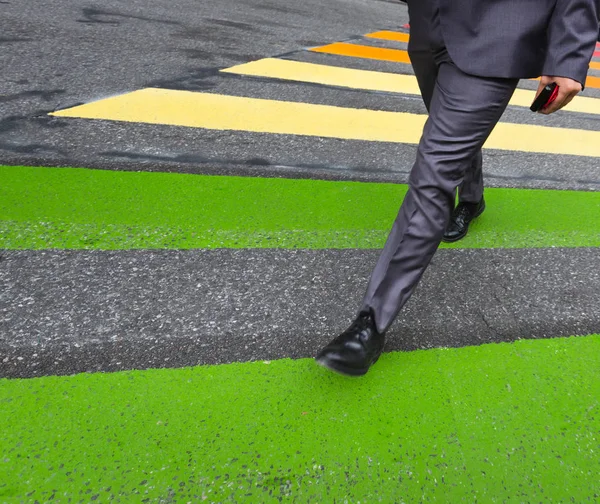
[{"x": 572, "y": 35}]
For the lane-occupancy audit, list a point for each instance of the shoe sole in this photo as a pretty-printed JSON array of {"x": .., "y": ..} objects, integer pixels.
[
  {"x": 460, "y": 237},
  {"x": 342, "y": 370}
]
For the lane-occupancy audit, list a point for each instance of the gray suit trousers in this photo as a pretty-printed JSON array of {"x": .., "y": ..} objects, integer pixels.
[
  {"x": 463, "y": 111},
  {"x": 426, "y": 71}
]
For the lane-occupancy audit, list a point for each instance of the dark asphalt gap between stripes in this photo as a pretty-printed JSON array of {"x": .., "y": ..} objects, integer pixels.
[
  {"x": 128, "y": 146},
  {"x": 324, "y": 159},
  {"x": 84, "y": 311}
]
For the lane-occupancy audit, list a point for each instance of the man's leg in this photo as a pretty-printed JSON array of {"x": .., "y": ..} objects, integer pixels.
[
  {"x": 470, "y": 191},
  {"x": 464, "y": 109},
  {"x": 425, "y": 34}
]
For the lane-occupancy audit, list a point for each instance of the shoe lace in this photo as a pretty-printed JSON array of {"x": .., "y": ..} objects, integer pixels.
[
  {"x": 362, "y": 322},
  {"x": 461, "y": 214},
  {"x": 463, "y": 211}
]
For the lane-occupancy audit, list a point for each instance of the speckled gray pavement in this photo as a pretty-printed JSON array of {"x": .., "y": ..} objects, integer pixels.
[
  {"x": 64, "y": 312},
  {"x": 73, "y": 311}
]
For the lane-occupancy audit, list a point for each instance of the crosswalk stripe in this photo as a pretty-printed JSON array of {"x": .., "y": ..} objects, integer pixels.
[
  {"x": 372, "y": 81},
  {"x": 362, "y": 51},
  {"x": 280, "y": 430},
  {"x": 328, "y": 75},
  {"x": 219, "y": 112},
  {"x": 592, "y": 82},
  {"x": 393, "y": 55},
  {"x": 107, "y": 210},
  {"x": 389, "y": 35}
]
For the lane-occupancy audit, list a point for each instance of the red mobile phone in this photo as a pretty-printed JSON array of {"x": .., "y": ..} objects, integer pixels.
[{"x": 545, "y": 98}]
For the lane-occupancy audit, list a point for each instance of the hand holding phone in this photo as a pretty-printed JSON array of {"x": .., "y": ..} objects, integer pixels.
[{"x": 545, "y": 98}]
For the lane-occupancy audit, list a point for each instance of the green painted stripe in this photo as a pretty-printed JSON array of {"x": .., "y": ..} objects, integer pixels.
[
  {"x": 95, "y": 209},
  {"x": 481, "y": 424}
]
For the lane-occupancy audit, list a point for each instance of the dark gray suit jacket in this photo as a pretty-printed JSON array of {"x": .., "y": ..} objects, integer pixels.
[{"x": 519, "y": 38}]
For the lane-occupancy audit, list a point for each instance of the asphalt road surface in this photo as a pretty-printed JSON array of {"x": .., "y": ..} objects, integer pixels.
[{"x": 192, "y": 197}]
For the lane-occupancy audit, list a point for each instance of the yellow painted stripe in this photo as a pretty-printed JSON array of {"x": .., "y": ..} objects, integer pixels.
[
  {"x": 393, "y": 55},
  {"x": 372, "y": 81},
  {"x": 218, "y": 112},
  {"x": 362, "y": 51},
  {"x": 594, "y": 65},
  {"x": 389, "y": 35},
  {"x": 328, "y": 75}
]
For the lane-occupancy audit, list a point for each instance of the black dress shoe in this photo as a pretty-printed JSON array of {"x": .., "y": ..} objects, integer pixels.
[
  {"x": 462, "y": 216},
  {"x": 354, "y": 351}
]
